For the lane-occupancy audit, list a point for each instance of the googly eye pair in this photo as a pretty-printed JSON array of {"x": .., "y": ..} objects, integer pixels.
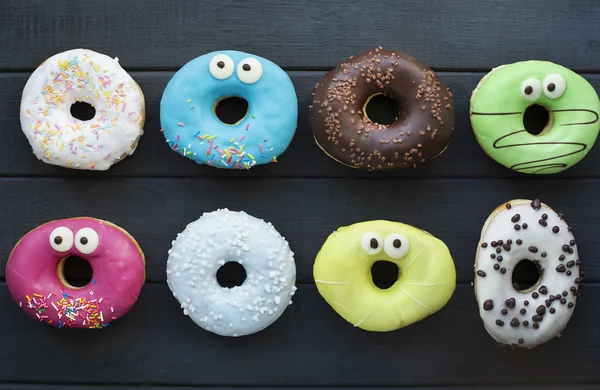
[
  {"x": 86, "y": 240},
  {"x": 395, "y": 246},
  {"x": 249, "y": 70},
  {"x": 554, "y": 87}
]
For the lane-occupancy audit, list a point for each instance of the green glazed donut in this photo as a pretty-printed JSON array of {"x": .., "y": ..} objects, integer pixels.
[{"x": 499, "y": 103}]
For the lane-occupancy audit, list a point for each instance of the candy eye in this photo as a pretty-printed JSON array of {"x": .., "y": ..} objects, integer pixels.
[
  {"x": 531, "y": 89},
  {"x": 86, "y": 240},
  {"x": 249, "y": 70},
  {"x": 61, "y": 239},
  {"x": 554, "y": 86},
  {"x": 396, "y": 246},
  {"x": 221, "y": 66},
  {"x": 371, "y": 243}
]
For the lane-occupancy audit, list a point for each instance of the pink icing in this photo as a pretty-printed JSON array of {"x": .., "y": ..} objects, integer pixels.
[{"x": 118, "y": 276}]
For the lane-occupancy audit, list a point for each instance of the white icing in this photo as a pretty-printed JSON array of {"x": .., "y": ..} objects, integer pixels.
[
  {"x": 251, "y": 75},
  {"x": 86, "y": 240},
  {"x": 498, "y": 287},
  {"x": 61, "y": 239},
  {"x": 221, "y": 66},
  {"x": 393, "y": 251},
  {"x": 367, "y": 243},
  {"x": 57, "y": 137},
  {"x": 536, "y": 89},
  {"x": 558, "y": 83},
  {"x": 217, "y": 238}
]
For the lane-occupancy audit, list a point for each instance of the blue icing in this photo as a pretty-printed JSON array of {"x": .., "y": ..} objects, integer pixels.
[{"x": 192, "y": 129}]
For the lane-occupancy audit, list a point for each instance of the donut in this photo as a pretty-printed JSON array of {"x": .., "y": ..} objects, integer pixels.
[
  {"x": 498, "y": 107},
  {"x": 82, "y": 75},
  {"x": 343, "y": 130},
  {"x": 221, "y": 237},
  {"x": 35, "y": 273},
  {"x": 530, "y": 316},
  {"x": 425, "y": 282},
  {"x": 188, "y": 110}
]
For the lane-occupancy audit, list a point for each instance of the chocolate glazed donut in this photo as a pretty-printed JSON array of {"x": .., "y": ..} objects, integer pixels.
[{"x": 342, "y": 129}]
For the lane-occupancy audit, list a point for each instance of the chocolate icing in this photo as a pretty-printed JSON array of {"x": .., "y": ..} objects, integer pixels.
[{"x": 425, "y": 120}]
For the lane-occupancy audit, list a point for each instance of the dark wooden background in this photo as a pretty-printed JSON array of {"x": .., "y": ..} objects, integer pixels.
[{"x": 155, "y": 193}]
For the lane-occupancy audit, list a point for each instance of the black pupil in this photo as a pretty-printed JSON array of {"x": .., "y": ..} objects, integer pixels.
[
  {"x": 528, "y": 90},
  {"x": 246, "y": 67},
  {"x": 57, "y": 240},
  {"x": 397, "y": 243},
  {"x": 221, "y": 64},
  {"x": 83, "y": 240},
  {"x": 374, "y": 244},
  {"x": 551, "y": 87}
]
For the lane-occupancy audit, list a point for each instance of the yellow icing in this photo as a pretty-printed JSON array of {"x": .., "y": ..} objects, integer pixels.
[{"x": 342, "y": 273}]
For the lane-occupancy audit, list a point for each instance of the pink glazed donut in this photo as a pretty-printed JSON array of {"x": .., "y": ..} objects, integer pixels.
[{"x": 35, "y": 277}]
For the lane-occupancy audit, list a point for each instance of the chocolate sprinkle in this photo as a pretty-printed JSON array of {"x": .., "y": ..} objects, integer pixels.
[
  {"x": 565, "y": 248},
  {"x": 569, "y": 273},
  {"x": 510, "y": 303},
  {"x": 570, "y": 263},
  {"x": 561, "y": 257},
  {"x": 519, "y": 241},
  {"x": 493, "y": 256},
  {"x": 499, "y": 322},
  {"x": 499, "y": 259},
  {"x": 496, "y": 267},
  {"x": 552, "y": 310},
  {"x": 535, "y": 325},
  {"x": 514, "y": 323},
  {"x": 517, "y": 227},
  {"x": 572, "y": 242},
  {"x": 570, "y": 305},
  {"x": 484, "y": 245},
  {"x": 548, "y": 302},
  {"x": 555, "y": 229},
  {"x": 515, "y": 218},
  {"x": 533, "y": 249},
  {"x": 524, "y": 226},
  {"x": 543, "y": 290},
  {"x": 537, "y": 318},
  {"x": 494, "y": 244},
  {"x": 535, "y": 295},
  {"x": 523, "y": 311},
  {"x": 498, "y": 250},
  {"x": 521, "y": 341},
  {"x": 543, "y": 222},
  {"x": 506, "y": 247},
  {"x": 525, "y": 323},
  {"x": 503, "y": 270},
  {"x": 561, "y": 268},
  {"x": 526, "y": 303},
  {"x": 541, "y": 310},
  {"x": 504, "y": 312},
  {"x": 563, "y": 301},
  {"x": 481, "y": 273},
  {"x": 536, "y": 204},
  {"x": 508, "y": 206},
  {"x": 564, "y": 293},
  {"x": 544, "y": 254},
  {"x": 488, "y": 305}
]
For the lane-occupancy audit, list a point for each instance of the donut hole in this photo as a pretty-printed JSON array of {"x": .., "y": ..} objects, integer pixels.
[
  {"x": 384, "y": 274},
  {"x": 83, "y": 111},
  {"x": 537, "y": 119},
  {"x": 382, "y": 109},
  {"x": 526, "y": 276},
  {"x": 74, "y": 272},
  {"x": 231, "y": 110},
  {"x": 231, "y": 274}
]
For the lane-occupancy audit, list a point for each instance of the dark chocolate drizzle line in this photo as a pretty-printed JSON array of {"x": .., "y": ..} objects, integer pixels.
[
  {"x": 526, "y": 165},
  {"x": 495, "y": 113},
  {"x": 578, "y": 110}
]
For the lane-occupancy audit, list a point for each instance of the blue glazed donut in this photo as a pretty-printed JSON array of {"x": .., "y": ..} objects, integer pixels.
[{"x": 191, "y": 126}]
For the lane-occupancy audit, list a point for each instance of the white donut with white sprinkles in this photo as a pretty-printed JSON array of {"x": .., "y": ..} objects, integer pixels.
[
  {"x": 226, "y": 236},
  {"x": 515, "y": 231}
]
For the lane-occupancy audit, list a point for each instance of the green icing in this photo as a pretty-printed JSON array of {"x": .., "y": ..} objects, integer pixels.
[{"x": 497, "y": 109}]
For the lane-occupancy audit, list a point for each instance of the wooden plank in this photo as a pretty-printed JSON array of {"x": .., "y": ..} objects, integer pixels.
[
  {"x": 464, "y": 157},
  {"x": 310, "y": 345},
  {"x": 15, "y": 386},
  {"x": 459, "y": 34},
  {"x": 305, "y": 211}
]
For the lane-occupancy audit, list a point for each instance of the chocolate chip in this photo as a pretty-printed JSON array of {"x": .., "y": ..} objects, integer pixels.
[
  {"x": 535, "y": 325},
  {"x": 499, "y": 259},
  {"x": 526, "y": 303},
  {"x": 565, "y": 248},
  {"x": 572, "y": 242},
  {"x": 525, "y": 323},
  {"x": 570, "y": 264},
  {"x": 506, "y": 247},
  {"x": 544, "y": 216},
  {"x": 523, "y": 311},
  {"x": 543, "y": 290},
  {"x": 544, "y": 254},
  {"x": 557, "y": 296},
  {"x": 494, "y": 244},
  {"x": 570, "y": 305},
  {"x": 578, "y": 280},
  {"x": 481, "y": 273},
  {"x": 488, "y": 305},
  {"x": 504, "y": 312},
  {"x": 569, "y": 273},
  {"x": 561, "y": 268},
  {"x": 571, "y": 251},
  {"x": 496, "y": 267},
  {"x": 58, "y": 240},
  {"x": 524, "y": 226},
  {"x": 533, "y": 249},
  {"x": 537, "y": 318},
  {"x": 397, "y": 243},
  {"x": 515, "y": 218},
  {"x": 374, "y": 243},
  {"x": 521, "y": 341},
  {"x": 508, "y": 206},
  {"x": 500, "y": 242},
  {"x": 498, "y": 250},
  {"x": 221, "y": 64},
  {"x": 551, "y": 87},
  {"x": 509, "y": 242},
  {"x": 543, "y": 222},
  {"x": 536, "y": 204},
  {"x": 246, "y": 67},
  {"x": 541, "y": 310},
  {"x": 552, "y": 310},
  {"x": 517, "y": 227},
  {"x": 528, "y": 90},
  {"x": 561, "y": 257},
  {"x": 555, "y": 229},
  {"x": 511, "y": 302},
  {"x": 548, "y": 302},
  {"x": 484, "y": 245},
  {"x": 519, "y": 242},
  {"x": 502, "y": 271},
  {"x": 499, "y": 322},
  {"x": 564, "y": 293},
  {"x": 514, "y": 323},
  {"x": 563, "y": 301},
  {"x": 493, "y": 256},
  {"x": 535, "y": 295}
]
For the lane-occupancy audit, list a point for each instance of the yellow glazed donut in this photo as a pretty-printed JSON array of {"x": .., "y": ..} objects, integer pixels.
[{"x": 425, "y": 283}]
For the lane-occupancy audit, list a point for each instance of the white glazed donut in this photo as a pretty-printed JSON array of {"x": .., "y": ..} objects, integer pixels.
[
  {"x": 57, "y": 137},
  {"x": 224, "y": 236},
  {"x": 517, "y": 230}
]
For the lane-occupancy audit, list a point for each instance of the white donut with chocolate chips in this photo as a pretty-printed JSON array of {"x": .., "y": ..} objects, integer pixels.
[{"x": 525, "y": 230}]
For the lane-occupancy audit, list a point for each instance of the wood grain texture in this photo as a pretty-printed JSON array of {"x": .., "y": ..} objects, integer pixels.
[
  {"x": 304, "y": 211},
  {"x": 153, "y": 157},
  {"x": 310, "y": 345},
  {"x": 14, "y": 386},
  {"x": 304, "y": 34}
]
